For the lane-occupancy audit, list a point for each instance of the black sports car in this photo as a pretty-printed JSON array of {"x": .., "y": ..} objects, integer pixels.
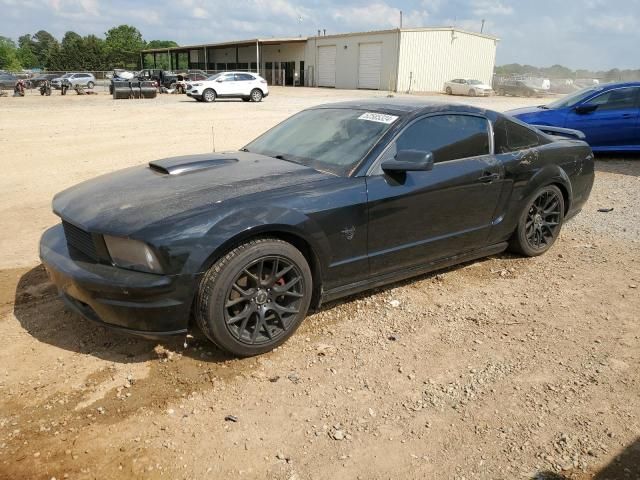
[{"x": 335, "y": 200}]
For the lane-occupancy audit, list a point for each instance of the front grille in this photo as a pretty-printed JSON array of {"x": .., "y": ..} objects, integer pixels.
[{"x": 80, "y": 240}]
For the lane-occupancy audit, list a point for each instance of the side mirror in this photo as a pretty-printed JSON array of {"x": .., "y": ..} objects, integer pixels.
[
  {"x": 585, "y": 108},
  {"x": 219, "y": 80},
  {"x": 409, "y": 161}
]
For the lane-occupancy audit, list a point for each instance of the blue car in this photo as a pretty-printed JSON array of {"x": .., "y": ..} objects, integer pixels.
[{"x": 608, "y": 115}]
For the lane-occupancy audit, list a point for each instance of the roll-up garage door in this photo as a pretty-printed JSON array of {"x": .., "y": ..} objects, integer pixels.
[
  {"x": 327, "y": 66},
  {"x": 369, "y": 65}
]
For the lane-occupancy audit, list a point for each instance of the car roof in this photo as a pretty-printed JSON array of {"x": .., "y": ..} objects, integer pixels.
[
  {"x": 404, "y": 106},
  {"x": 618, "y": 85},
  {"x": 233, "y": 71}
]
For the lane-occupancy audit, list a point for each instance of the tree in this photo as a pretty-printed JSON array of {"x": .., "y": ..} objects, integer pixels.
[
  {"x": 123, "y": 45},
  {"x": 8, "y": 55},
  {"x": 44, "y": 44},
  {"x": 25, "y": 53},
  {"x": 161, "y": 44}
]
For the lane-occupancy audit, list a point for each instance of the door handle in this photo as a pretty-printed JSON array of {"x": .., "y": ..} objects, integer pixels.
[{"x": 489, "y": 177}]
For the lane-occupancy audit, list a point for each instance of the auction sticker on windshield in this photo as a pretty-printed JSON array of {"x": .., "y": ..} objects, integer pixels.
[{"x": 378, "y": 117}]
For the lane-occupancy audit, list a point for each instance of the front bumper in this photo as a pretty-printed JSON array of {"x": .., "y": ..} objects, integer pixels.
[
  {"x": 139, "y": 303},
  {"x": 192, "y": 94}
]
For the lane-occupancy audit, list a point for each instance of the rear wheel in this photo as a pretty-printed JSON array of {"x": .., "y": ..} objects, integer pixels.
[
  {"x": 90, "y": 85},
  {"x": 540, "y": 223},
  {"x": 209, "y": 95},
  {"x": 252, "y": 299},
  {"x": 256, "y": 95},
  {"x": 449, "y": 91},
  {"x": 472, "y": 93}
]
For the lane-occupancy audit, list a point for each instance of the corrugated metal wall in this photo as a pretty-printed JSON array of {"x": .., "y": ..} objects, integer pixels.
[
  {"x": 347, "y": 56},
  {"x": 429, "y": 58}
]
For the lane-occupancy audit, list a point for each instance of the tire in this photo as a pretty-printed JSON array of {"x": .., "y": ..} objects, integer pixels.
[
  {"x": 91, "y": 85},
  {"x": 256, "y": 95},
  {"x": 209, "y": 95},
  {"x": 449, "y": 91},
  {"x": 243, "y": 315},
  {"x": 540, "y": 223},
  {"x": 472, "y": 93}
]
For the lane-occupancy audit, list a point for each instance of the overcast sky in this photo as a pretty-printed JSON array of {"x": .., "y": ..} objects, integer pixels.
[{"x": 596, "y": 34}]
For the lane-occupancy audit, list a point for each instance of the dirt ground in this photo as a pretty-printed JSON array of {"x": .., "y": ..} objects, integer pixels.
[{"x": 503, "y": 368}]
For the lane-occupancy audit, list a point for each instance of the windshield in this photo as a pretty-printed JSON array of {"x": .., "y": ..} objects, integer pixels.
[
  {"x": 333, "y": 140},
  {"x": 573, "y": 98},
  {"x": 66, "y": 75},
  {"x": 475, "y": 82},
  {"x": 213, "y": 77}
]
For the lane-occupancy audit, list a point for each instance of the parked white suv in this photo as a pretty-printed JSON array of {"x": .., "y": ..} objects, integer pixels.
[
  {"x": 81, "y": 79},
  {"x": 472, "y": 88},
  {"x": 244, "y": 85}
]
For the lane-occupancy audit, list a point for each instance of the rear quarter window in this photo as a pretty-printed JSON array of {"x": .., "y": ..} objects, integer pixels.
[{"x": 512, "y": 137}]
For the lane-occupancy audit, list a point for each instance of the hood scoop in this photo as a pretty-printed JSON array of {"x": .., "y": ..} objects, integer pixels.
[{"x": 190, "y": 163}]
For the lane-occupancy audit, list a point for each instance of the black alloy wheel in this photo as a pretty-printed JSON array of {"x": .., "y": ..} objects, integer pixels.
[
  {"x": 540, "y": 224},
  {"x": 264, "y": 299},
  {"x": 254, "y": 297}
]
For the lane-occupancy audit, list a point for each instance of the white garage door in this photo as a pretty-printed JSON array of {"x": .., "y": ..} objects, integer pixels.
[
  {"x": 370, "y": 65},
  {"x": 327, "y": 66}
]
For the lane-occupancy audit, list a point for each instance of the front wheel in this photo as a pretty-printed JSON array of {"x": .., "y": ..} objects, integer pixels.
[
  {"x": 90, "y": 85},
  {"x": 209, "y": 95},
  {"x": 449, "y": 91},
  {"x": 254, "y": 297},
  {"x": 256, "y": 95},
  {"x": 472, "y": 93},
  {"x": 540, "y": 223}
]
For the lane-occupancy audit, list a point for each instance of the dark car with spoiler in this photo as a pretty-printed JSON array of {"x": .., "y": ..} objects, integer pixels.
[{"x": 335, "y": 200}]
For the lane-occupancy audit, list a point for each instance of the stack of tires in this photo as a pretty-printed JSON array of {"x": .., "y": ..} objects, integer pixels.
[{"x": 134, "y": 89}]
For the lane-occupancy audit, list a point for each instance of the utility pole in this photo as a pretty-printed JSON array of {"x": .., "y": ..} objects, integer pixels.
[
  {"x": 482, "y": 27},
  {"x": 400, "y": 18}
]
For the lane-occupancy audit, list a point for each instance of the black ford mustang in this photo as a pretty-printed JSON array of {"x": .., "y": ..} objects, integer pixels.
[{"x": 335, "y": 200}]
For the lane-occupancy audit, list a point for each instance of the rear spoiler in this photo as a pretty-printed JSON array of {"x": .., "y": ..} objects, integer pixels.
[{"x": 561, "y": 132}]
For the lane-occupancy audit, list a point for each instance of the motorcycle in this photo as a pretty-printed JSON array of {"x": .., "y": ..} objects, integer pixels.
[
  {"x": 45, "y": 88},
  {"x": 18, "y": 90}
]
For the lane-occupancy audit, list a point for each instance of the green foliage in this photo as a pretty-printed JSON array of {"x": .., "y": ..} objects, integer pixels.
[
  {"x": 562, "y": 72},
  {"x": 161, "y": 44},
  {"x": 9, "y": 55},
  {"x": 25, "y": 53},
  {"x": 123, "y": 45},
  {"x": 120, "y": 48}
]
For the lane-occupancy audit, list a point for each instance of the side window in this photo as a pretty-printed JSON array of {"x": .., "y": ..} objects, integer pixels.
[
  {"x": 228, "y": 78},
  {"x": 511, "y": 137},
  {"x": 448, "y": 137},
  {"x": 244, "y": 77},
  {"x": 617, "y": 99}
]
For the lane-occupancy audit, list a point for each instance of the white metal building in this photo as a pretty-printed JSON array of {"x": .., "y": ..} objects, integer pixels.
[{"x": 408, "y": 59}]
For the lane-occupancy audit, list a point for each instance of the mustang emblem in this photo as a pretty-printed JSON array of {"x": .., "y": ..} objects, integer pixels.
[{"x": 349, "y": 232}]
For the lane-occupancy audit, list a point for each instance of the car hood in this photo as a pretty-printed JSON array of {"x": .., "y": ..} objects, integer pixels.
[{"x": 127, "y": 201}]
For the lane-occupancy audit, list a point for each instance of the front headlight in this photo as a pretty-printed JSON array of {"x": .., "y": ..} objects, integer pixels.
[{"x": 132, "y": 254}]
